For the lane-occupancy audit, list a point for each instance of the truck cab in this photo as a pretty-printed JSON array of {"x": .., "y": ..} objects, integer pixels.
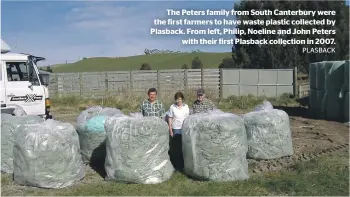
[{"x": 22, "y": 90}]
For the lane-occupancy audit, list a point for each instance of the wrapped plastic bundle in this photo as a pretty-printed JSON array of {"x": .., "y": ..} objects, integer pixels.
[
  {"x": 47, "y": 155},
  {"x": 346, "y": 107},
  {"x": 317, "y": 75},
  {"x": 92, "y": 135},
  {"x": 137, "y": 115},
  {"x": 215, "y": 111},
  {"x": 214, "y": 147},
  {"x": 313, "y": 75},
  {"x": 333, "y": 105},
  {"x": 19, "y": 112},
  {"x": 268, "y": 134},
  {"x": 266, "y": 105},
  {"x": 334, "y": 71},
  {"x": 9, "y": 124},
  {"x": 346, "y": 75},
  {"x": 137, "y": 150},
  {"x": 315, "y": 100}
]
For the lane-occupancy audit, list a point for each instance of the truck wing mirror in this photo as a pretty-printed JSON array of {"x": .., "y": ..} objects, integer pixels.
[{"x": 42, "y": 79}]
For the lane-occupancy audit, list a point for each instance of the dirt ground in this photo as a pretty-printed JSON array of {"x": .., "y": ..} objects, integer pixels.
[{"x": 309, "y": 136}]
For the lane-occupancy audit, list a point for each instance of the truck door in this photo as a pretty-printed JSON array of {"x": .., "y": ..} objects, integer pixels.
[
  {"x": 23, "y": 88},
  {"x": 2, "y": 85}
]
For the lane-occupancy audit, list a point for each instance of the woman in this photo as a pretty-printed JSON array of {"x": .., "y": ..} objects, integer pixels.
[{"x": 177, "y": 114}]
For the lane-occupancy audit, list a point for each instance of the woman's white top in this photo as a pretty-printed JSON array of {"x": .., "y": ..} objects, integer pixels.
[{"x": 178, "y": 114}]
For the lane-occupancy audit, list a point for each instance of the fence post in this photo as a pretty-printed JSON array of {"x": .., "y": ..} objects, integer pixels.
[
  {"x": 106, "y": 85},
  {"x": 186, "y": 82},
  {"x": 295, "y": 81},
  {"x": 158, "y": 84},
  {"x": 202, "y": 77},
  {"x": 221, "y": 93},
  {"x": 131, "y": 81},
  {"x": 81, "y": 84},
  {"x": 57, "y": 85}
]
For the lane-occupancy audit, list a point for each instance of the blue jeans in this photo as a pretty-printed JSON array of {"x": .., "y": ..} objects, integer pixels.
[{"x": 177, "y": 131}]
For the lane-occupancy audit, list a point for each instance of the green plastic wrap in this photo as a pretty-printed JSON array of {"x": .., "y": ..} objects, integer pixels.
[
  {"x": 47, "y": 155},
  {"x": 334, "y": 71},
  {"x": 346, "y": 107},
  {"x": 317, "y": 75},
  {"x": 92, "y": 143},
  {"x": 137, "y": 150},
  {"x": 268, "y": 133},
  {"x": 333, "y": 105},
  {"x": 214, "y": 147},
  {"x": 9, "y": 125},
  {"x": 315, "y": 100},
  {"x": 346, "y": 75}
]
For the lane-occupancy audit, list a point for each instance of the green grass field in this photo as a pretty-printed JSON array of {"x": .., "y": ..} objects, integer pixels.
[
  {"x": 156, "y": 61},
  {"x": 325, "y": 176}
]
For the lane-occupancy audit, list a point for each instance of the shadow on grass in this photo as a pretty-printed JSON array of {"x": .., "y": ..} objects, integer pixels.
[{"x": 97, "y": 161}]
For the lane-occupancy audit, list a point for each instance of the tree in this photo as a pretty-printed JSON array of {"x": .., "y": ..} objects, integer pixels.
[
  {"x": 185, "y": 66},
  {"x": 227, "y": 62},
  {"x": 147, "y": 51},
  {"x": 48, "y": 69},
  {"x": 287, "y": 56},
  {"x": 197, "y": 63},
  {"x": 145, "y": 66}
]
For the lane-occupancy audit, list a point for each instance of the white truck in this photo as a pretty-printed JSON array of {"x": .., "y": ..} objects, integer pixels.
[{"x": 22, "y": 89}]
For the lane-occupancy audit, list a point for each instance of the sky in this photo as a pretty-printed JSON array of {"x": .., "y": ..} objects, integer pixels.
[{"x": 64, "y": 31}]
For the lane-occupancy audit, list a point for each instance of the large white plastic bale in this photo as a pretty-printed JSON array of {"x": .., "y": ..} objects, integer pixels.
[
  {"x": 19, "y": 112},
  {"x": 346, "y": 107},
  {"x": 214, "y": 147},
  {"x": 315, "y": 101},
  {"x": 47, "y": 155},
  {"x": 334, "y": 71},
  {"x": 317, "y": 75},
  {"x": 9, "y": 124},
  {"x": 136, "y": 115},
  {"x": 215, "y": 111},
  {"x": 266, "y": 105},
  {"x": 268, "y": 134},
  {"x": 137, "y": 150},
  {"x": 92, "y": 135},
  {"x": 346, "y": 75},
  {"x": 333, "y": 105}
]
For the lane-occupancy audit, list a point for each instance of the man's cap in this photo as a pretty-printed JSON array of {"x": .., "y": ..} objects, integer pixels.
[{"x": 200, "y": 91}]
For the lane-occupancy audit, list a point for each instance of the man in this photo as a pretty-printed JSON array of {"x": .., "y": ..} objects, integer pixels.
[
  {"x": 152, "y": 106},
  {"x": 202, "y": 104}
]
